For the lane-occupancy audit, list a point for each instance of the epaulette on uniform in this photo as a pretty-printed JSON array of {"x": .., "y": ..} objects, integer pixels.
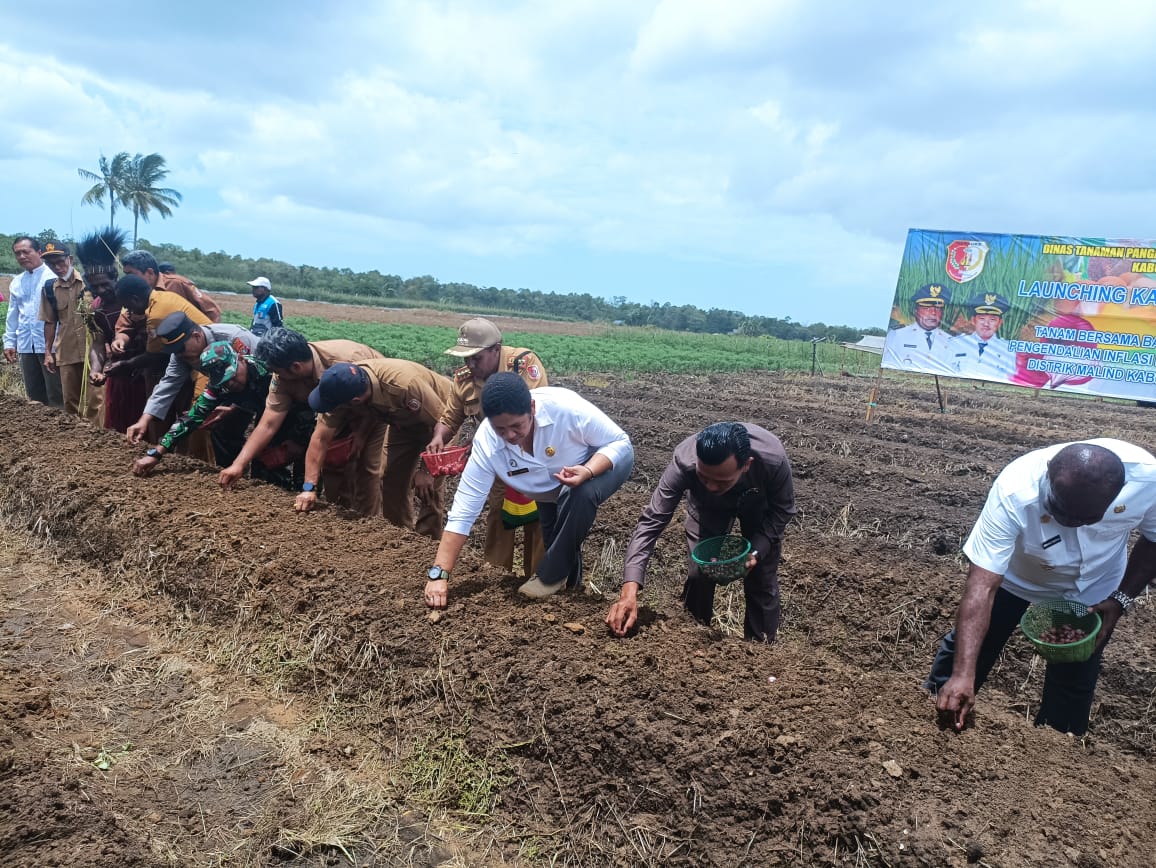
[{"x": 462, "y": 374}]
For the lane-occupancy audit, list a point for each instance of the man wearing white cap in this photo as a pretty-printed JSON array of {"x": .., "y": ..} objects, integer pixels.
[{"x": 267, "y": 311}]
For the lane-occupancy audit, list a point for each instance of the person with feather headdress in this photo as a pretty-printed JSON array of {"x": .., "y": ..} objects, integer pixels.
[{"x": 124, "y": 388}]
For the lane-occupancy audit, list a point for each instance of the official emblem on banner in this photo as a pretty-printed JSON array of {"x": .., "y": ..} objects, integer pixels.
[{"x": 965, "y": 260}]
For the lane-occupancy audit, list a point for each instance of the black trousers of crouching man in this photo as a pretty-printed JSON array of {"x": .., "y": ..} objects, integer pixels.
[
  {"x": 1068, "y": 687},
  {"x": 567, "y": 522},
  {"x": 760, "y": 586}
]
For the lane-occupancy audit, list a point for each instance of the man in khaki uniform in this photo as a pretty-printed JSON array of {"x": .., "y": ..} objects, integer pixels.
[
  {"x": 65, "y": 335},
  {"x": 297, "y": 366},
  {"x": 480, "y": 346},
  {"x": 144, "y": 264},
  {"x": 404, "y": 396}
]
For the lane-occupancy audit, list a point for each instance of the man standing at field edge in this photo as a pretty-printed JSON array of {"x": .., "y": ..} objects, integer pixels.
[{"x": 480, "y": 346}]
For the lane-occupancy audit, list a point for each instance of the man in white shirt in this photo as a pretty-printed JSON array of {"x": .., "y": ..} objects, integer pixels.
[
  {"x": 921, "y": 346},
  {"x": 23, "y": 331},
  {"x": 983, "y": 354},
  {"x": 1055, "y": 526},
  {"x": 555, "y": 448}
]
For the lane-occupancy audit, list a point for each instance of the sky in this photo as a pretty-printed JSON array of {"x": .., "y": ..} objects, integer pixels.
[{"x": 766, "y": 156}]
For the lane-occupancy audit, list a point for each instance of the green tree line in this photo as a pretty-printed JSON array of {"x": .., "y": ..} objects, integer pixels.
[{"x": 221, "y": 272}]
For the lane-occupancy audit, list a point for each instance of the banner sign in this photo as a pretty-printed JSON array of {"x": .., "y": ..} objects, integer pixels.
[{"x": 1070, "y": 314}]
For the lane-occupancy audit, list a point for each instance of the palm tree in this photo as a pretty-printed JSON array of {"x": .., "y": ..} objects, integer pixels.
[
  {"x": 141, "y": 193},
  {"x": 110, "y": 182}
]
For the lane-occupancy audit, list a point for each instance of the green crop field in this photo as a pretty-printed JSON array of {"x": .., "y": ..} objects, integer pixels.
[{"x": 615, "y": 349}]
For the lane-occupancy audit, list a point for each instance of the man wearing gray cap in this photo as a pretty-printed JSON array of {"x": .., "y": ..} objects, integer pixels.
[
  {"x": 185, "y": 340},
  {"x": 480, "y": 347},
  {"x": 267, "y": 311}
]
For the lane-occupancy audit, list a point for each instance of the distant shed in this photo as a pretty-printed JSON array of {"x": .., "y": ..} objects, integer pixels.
[{"x": 868, "y": 344}]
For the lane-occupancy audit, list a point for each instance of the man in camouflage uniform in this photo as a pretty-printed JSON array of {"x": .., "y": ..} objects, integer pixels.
[
  {"x": 480, "y": 347},
  {"x": 239, "y": 383}
]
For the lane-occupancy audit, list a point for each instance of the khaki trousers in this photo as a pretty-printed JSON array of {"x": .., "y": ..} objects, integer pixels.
[
  {"x": 357, "y": 485},
  {"x": 501, "y": 542},
  {"x": 403, "y": 448},
  {"x": 72, "y": 381}
]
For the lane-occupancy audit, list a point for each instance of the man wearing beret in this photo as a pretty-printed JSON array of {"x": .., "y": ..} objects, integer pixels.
[
  {"x": 184, "y": 341},
  {"x": 480, "y": 346},
  {"x": 983, "y": 354},
  {"x": 372, "y": 395},
  {"x": 921, "y": 346}
]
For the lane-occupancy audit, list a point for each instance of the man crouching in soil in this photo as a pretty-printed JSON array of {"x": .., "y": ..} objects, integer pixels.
[
  {"x": 1055, "y": 525},
  {"x": 728, "y": 470}
]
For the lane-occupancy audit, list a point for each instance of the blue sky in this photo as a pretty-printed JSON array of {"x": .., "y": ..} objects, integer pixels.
[{"x": 762, "y": 156}]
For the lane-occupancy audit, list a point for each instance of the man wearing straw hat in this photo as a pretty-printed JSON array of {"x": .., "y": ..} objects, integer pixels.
[
  {"x": 480, "y": 347},
  {"x": 728, "y": 471},
  {"x": 921, "y": 346},
  {"x": 1055, "y": 526}
]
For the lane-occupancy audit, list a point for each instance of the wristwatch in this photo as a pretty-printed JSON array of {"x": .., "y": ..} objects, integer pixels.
[
  {"x": 308, "y": 487},
  {"x": 1123, "y": 599},
  {"x": 437, "y": 574},
  {"x": 151, "y": 452}
]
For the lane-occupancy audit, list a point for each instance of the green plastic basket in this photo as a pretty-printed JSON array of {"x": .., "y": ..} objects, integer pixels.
[
  {"x": 1055, "y": 613},
  {"x": 722, "y": 558}
]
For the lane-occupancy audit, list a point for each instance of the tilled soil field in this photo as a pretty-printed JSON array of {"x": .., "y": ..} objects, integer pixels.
[{"x": 193, "y": 677}]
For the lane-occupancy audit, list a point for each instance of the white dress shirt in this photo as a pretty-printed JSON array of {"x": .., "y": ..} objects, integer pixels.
[
  {"x": 994, "y": 362},
  {"x": 568, "y": 429},
  {"x": 911, "y": 348},
  {"x": 23, "y": 330},
  {"x": 1040, "y": 559}
]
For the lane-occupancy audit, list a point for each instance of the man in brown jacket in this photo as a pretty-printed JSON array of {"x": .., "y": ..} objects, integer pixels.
[
  {"x": 144, "y": 264},
  {"x": 405, "y": 397},
  {"x": 728, "y": 471},
  {"x": 297, "y": 366},
  {"x": 480, "y": 346}
]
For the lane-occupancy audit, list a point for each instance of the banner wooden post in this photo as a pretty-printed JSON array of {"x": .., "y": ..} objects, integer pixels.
[{"x": 939, "y": 394}]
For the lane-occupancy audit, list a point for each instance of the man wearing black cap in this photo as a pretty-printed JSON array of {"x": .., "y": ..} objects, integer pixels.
[
  {"x": 184, "y": 341},
  {"x": 479, "y": 345},
  {"x": 64, "y": 332},
  {"x": 370, "y": 396},
  {"x": 922, "y": 345},
  {"x": 983, "y": 354}
]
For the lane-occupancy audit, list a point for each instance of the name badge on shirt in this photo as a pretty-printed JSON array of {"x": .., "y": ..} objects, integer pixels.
[
  {"x": 1048, "y": 543},
  {"x": 518, "y": 472}
]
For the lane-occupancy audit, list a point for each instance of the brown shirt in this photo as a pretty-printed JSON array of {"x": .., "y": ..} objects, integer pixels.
[
  {"x": 160, "y": 305},
  {"x": 284, "y": 393},
  {"x": 466, "y": 400},
  {"x": 70, "y": 328},
  {"x": 187, "y": 290},
  {"x": 763, "y": 500},
  {"x": 404, "y": 394}
]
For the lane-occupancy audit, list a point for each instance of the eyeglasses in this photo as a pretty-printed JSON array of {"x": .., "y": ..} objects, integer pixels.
[{"x": 1065, "y": 515}]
